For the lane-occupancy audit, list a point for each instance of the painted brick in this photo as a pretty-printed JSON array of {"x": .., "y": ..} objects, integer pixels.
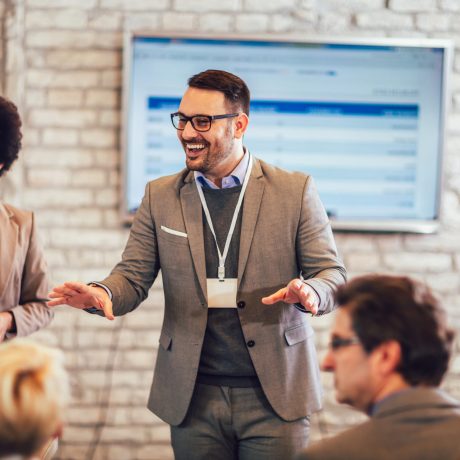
[
  {"x": 281, "y": 23},
  {"x": 48, "y": 177},
  {"x": 207, "y": 5},
  {"x": 75, "y": 218},
  {"x": 81, "y": 4},
  {"x": 73, "y": 80},
  {"x": 142, "y": 21},
  {"x": 450, "y": 5},
  {"x": 384, "y": 19},
  {"x": 73, "y": 39},
  {"x": 416, "y": 262},
  {"x": 62, "y": 118},
  {"x": 413, "y": 5},
  {"x": 134, "y": 5},
  {"x": 110, "y": 118},
  {"x": 86, "y": 238},
  {"x": 364, "y": 262},
  {"x": 61, "y": 19},
  {"x": 252, "y": 23},
  {"x": 82, "y": 59},
  {"x": 215, "y": 22},
  {"x": 432, "y": 22},
  {"x": 48, "y": 198},
  {"x": 65, "y": 97},
  {"x": 102, "y": 98},
  {"x": 72, "y": 158},
  {"x": 94, "y": 178},
  {"x": 99, "y": 138},
  {"x": 179, "y": 21},
  {"x": 60, "y": 137},
  {"x": 334, "y": 22},
  {"x": 352, "y": 6},
  {"x": 268, "y": 6},
  {"x": 105, "y": 20}
]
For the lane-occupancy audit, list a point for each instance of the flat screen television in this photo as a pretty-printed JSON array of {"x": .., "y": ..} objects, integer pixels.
[{"x": 364, "y": 117}]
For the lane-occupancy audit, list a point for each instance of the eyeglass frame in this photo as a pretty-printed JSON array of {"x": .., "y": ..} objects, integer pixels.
[
  {"x": 211, "y": 118},
  {"x": 336, "y": 343}
]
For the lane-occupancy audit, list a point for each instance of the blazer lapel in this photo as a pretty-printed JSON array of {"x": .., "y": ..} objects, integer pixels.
[
  {"x": 251, "y": 206},
  {"x": 8, "y": 244},
  {"x": 192, "y": 212}
]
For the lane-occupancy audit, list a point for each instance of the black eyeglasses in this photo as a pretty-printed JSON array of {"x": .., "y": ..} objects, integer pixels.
[
  {"x": 201, "y": 123},
  {"x": 339, "y": 342}
]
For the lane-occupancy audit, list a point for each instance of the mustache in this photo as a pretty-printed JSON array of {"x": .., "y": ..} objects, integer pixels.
[{"x": 194, "y": 140}]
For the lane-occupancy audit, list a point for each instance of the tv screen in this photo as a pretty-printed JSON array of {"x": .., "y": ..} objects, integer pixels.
[{"x": 364, "y": 118}]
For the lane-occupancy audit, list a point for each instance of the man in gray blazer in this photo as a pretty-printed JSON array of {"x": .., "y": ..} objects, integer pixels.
[
  {"x": 245, "y": 250},
  {"x": 389, "y": 350}
]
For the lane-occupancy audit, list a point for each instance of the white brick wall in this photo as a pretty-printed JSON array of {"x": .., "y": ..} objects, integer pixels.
[{"x": 70, "y": 169}]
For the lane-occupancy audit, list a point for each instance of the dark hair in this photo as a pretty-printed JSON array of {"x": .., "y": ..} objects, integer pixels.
[
  {"x": 385, "y": 308},
  {"x": 10, "y": 134},
  {"x": 234, "y": 88}
]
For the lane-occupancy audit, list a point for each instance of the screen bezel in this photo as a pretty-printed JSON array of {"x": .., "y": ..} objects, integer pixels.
[{"x": 361, "y": 225}]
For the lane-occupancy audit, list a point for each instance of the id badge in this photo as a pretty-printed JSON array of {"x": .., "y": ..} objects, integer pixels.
[{"x": 222, "y": 294}]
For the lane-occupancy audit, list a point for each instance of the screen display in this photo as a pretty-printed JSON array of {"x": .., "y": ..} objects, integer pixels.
[{"x": 365, "y": 120}]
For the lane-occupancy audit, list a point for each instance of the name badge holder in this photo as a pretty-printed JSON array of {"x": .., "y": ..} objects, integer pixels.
[{"x": 221, "y": 290}]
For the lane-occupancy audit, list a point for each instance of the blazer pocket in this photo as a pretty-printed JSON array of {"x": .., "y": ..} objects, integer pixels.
[
  {"x": 165, "y": 340},
  {"x": 174, "y": 232},
  {"x": 298, "y": 333}
]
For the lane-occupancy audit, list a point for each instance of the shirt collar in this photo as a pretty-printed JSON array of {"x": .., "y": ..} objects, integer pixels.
[{"x": 234, "y": 179}]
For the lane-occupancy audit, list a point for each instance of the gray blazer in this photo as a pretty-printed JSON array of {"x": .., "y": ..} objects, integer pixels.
[
  {"x": 23, "y": 282},
  {"x": 415, "y": 424},
  {"x": 284, "y": 230}
]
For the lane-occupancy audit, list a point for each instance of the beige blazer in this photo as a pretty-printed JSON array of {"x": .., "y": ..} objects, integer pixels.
[
  {"x": 23, "y": 282},
  {"x": 284, "y": 230},
  {"x": 414, "y": 424}
]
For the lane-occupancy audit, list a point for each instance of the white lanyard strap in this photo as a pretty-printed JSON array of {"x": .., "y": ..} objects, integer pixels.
[{"x": 223, "y": 256}]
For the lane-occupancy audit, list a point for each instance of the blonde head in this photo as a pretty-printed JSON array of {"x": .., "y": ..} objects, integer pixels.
[{"x": 34, "y": 390}]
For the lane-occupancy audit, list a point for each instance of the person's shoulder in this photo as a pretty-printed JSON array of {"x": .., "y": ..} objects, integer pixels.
[
  {"x": 351, "y": 443},
  {"x": 273, "y": 171},
  {"x": 171, "y": 182},
  {"x": 18, "y": 214}
]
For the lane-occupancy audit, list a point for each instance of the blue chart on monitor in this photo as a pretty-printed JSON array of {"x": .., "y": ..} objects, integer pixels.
[{"x": 364, "y": 121}]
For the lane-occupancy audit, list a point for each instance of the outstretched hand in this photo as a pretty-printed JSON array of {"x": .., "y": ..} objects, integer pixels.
[
  {"x": 295, "y": 292},
  {"x": 81, "y": 296}
]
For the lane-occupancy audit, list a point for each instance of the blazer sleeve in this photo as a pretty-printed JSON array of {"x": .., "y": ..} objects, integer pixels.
[
  {"x": 131, "y": 279},
  {"x": 317, "y": 254},
  {"x": 32, "y": 313}
]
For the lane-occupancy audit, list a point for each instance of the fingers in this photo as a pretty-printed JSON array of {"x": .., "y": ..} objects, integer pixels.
[
  {"x": 304, "y": 294},
  {"x": 106, "y": 306},
  {"x": 278, "y": 296}
]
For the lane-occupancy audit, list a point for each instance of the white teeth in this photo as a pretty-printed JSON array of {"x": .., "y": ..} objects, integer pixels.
[{"x": 195, "y": 146}]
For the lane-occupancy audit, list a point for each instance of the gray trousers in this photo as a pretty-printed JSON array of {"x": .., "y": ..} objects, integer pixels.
[{"x": 225, "y": 423}]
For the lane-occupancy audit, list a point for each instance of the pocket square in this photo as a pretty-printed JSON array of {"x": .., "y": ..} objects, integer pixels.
[{"x": 174, "y": 232}]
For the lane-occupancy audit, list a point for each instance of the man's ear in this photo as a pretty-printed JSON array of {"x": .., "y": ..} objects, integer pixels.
[
  {"x": 389, "y": 355},
  {"x": 241, "y": 124}
]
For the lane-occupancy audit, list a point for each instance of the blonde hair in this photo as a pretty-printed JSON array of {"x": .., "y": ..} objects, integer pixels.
[{"x": 34, "y": 390}]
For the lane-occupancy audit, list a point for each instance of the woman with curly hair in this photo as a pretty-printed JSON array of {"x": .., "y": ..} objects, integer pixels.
[{"x": 23, "y": 281}]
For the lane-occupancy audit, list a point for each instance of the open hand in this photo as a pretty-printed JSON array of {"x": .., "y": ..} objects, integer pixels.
[
  {"x": 81, "y": 296},
  {"x": 295, "y": 292}
]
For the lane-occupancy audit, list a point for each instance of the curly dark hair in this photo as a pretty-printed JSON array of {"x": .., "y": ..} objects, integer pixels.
[
  {"x": 10, "y": 134},
  {"x": 385, "y": 308}
]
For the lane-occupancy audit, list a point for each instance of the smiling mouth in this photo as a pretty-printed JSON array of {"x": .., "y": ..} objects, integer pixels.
[{"x": 193, "y": 149}]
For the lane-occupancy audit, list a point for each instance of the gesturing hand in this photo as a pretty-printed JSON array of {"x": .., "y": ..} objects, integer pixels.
[
  {"x": 295, "y": 292},
  {"x": 79, "y": 295}
]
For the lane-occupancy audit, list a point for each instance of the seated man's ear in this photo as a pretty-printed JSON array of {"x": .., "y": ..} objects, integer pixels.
[{"x": 388, "y": 356}]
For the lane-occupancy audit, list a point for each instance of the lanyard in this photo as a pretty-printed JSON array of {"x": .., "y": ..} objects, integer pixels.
[{"x": 223, "y": 256}]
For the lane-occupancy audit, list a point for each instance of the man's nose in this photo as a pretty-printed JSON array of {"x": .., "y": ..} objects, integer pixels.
[
  {"x": 328, "y": 363},
  {"x": 189, "y": 131}
]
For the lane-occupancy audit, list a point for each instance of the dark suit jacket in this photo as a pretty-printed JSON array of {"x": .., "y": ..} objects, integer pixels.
[
  {"x": 23, "y": 281},
  {"x": 414, "y": 424},
  {"x": 284, "y": 230}
]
